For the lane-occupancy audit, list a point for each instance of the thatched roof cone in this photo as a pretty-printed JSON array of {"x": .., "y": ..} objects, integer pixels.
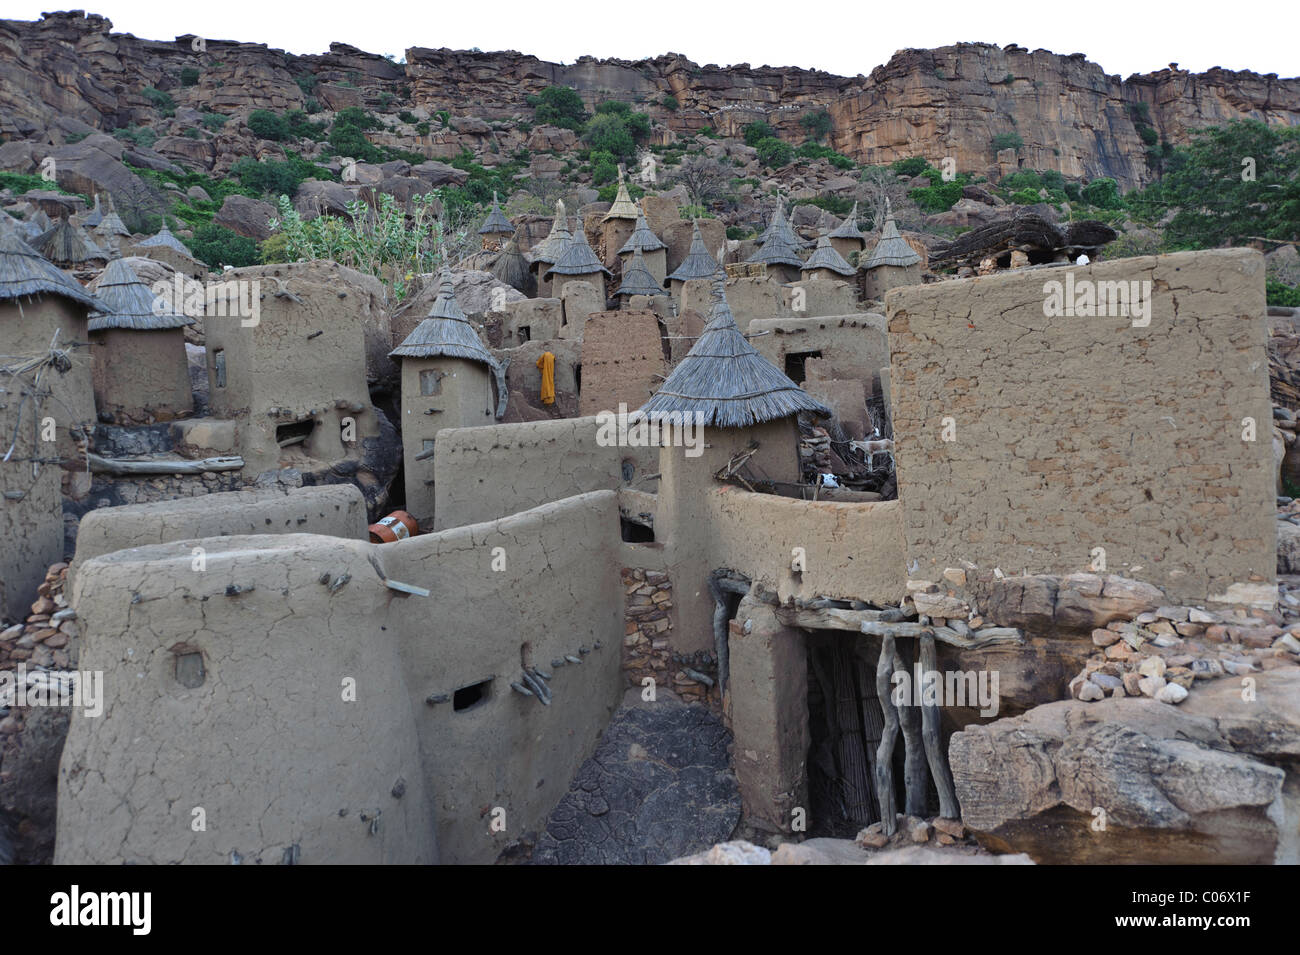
[
  {"x": 698, "y": 264},
  {"x": 512, "y": 268},
  {"x": 725, "y": 381},
  {"x": 24, "y": 272},
  {"x": 642, "y": 238},
  {"x": 67, "y": 244},
  {"x": 780, "y": 228},
  {"x": 825, "y": 257},
  {"x": 638, "y": 280},
  {"x": 552, "y": 247},
  {"x": 892, "y": 249},
  {"x": 446, "y": 332},
  {"x": 165, "y": 240},
  {"x": 848, "y": 229},
  {"x": 95, "y": 216},
  {"x": 778, "y": 250},
  {"x": 41, "y": 220},
  {"x": 622, "y": 207},
  {"x": 111, "y": 224},
  {"x": 577, "y": 258},
  {"x": 127, "y": 303},
  {"x": 496, "y": 223}
]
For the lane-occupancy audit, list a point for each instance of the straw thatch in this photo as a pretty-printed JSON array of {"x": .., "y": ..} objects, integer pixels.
[
  {"x": 23, "y": 272},
  {"x": 165, "y": 240},
  {"x": 725, "y": 381},
  {"x": 577, "y": 258},
  {"x": 848, "y": 229},
  {"x": 512, "y": 268},
  {"x": 622, "y": 207},
  {"x": 66, "y": 245},
  {"x": 111, "y": 224},
  {"x": 642, "y": 238},
  {"x": 41, "y": 220},
  {"x": 778, "y": 250},
  {"x": 127, "y": 303},
  {"x": 96, "y": 215},
  {"x": 825, "y": 257},
  {"x": 496, "y": 223},
  {"x": 892, "y": 249},
  {"x": 22, "y": 228},
  {"x": 552, "y": 247},
  {"x": 638, "y": 280},
  {"x": 446, "y": 332},
  {"x": 779, "y": 228},
  {"x": 698, "y": 264}
]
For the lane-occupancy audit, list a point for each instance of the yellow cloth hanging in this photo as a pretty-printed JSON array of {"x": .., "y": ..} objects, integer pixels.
[{"x": 547, "y": 364}]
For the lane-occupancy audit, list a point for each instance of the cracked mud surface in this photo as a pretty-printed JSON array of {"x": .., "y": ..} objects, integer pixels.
[{"x": 658, "y": 786}]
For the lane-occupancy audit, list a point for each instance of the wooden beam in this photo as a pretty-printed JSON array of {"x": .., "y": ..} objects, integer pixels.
[
  {"x": 101, "y": 465},
  {"x": 834, "y": 618},
  {"x": 978, "y": 639}
]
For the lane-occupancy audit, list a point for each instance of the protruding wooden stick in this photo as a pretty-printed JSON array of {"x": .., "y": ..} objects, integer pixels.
[
  {"x": 939, "y": 771},
  {"x": 885, "y": 754}
]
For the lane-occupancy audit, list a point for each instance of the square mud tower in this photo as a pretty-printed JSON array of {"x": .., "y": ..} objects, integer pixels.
[
  {"x": 622, "y": 360},
  {"x": 1112, "y": 418}
]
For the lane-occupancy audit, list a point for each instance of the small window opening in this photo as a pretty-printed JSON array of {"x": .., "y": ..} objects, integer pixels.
[
  {"x": 795, "y": 365},
  {"x": 577, "y": 378},
  {"x": 634, "y": 533},
  {"x": 628, "y": 468},
  {"x": 525, "y": 333},
  {"x": 219, "y": 366},
  {"x": 431, "y": 382},
  {"x": 296, "y": 432},
  {"x": 470, "y": 696}
]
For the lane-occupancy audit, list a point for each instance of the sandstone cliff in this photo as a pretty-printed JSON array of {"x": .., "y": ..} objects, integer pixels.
[{"x": 69, "y": 72}]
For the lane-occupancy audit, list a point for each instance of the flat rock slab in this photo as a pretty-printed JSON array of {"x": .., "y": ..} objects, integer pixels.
[{"x": 659, "y": 786}]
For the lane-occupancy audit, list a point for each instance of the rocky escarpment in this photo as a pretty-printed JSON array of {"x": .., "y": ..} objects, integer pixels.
[{"x": 69, "y": 72}]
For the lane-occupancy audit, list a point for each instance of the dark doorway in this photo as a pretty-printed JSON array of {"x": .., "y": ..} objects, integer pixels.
[
  {"x": 296, "y": 432},
  {"x": 633, "y": 533},
  {"x": 795, "y": 363}
]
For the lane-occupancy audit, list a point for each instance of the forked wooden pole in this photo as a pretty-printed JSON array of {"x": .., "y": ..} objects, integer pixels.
[{"x": 939, "y": 770}]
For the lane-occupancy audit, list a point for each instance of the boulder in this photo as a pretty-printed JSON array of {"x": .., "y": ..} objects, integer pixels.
[
  {"x": 1078, "y": 602},
  {"x": 440, "y": 174},
  {"x": 1288, "y": 548},
  {"x": 1136, "y": 780},
  {"x": 322, "y": 197},
  {"x": 250, "y": 218}
]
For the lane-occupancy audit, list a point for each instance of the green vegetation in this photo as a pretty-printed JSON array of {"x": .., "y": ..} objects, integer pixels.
[
  {"x": 213, "y": 121},
  {"x": 1102, "y": 193},
  {"x": 773, "y": 152},
  {"x": 20, "y": 183},
  {"x": 1007, "y": 141},
  {"x": 265, "y": 124},
  {"x": 757, "y": 132},
  {"x": 347, "y": 137},
  {"x": 816, "y": 124},
  {"x": 811, "y": 150},
  {"x": 669, "y": 102},
  {"x": 608, "y": 192},
  {"x": 159, "y": 100},
  {"x": 832, "y": 204},
  {"x": 138, "y": 135},
  {"x": 190, "y": 76},
  {"x": 911, "y": 166},
  {"x": 1281, "y": 294},
  {"x": 269, "y": 177},
  {"x": 216, "y": 246},
  {"x": 559, "y": 106},
  {"x": 1025, "y": 197},
  {"x": 616, "y": 130}
]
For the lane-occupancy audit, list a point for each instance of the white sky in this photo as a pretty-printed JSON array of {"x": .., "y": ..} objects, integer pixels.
[{"x": 1123, "y": 36}]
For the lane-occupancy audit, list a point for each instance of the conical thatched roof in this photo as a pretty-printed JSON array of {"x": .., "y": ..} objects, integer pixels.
[
  {"x": 848, "y": 229},
  {"x": 725, "y": 381},
  {"x": 892, "y": 249},
  {"x": 67, "y": 244},
  {"x": 577, "y": 258},
  {"x": 779, "y": 228},
  {"x": 825, "y": 257},
  {"x": 24, "y": 271},
  {"x": 642, "y": 238},
  {"x": 512, "y": 268},
  {"x": 552, "y": 247},
  {"x": 41, "y": 220},
  {"x": 446, "y": 332},
  {"x": 638, "y": 280},
  {"x": 126, "y": 302},
  {"x": 496, "y": 223},
  {"x": 623, "y": 207},
  {"x": 165, "y": 240},
  {"x": 698, "y": 264},
  {"x": 24, "y": 229},
  {"x": 778, "y": 250},
  {"x": 111, "y": 224},
  {"x": 95, "y": 216}
]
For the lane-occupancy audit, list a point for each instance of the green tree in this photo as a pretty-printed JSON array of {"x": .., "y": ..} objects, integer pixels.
[
  {"x": 217, "y": 246},
  {"x": 1102, "y": 193},
  {"x": 911, "y": 166},
  {"x": 1007, "y": 141},
  {"x": 817, "y": 124},
  {"x": 608, "y": 133},
  {"x": 559, "y": 106},
  {"x": 757, "y": 132},
  {"x": 1230, "y": 184},
  {"x": 774, "y": 153},
  {"x": 265, "y": 124}
]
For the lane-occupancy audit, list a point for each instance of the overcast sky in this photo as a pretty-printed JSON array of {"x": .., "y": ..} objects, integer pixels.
[{"x": 1134, "y": 36}]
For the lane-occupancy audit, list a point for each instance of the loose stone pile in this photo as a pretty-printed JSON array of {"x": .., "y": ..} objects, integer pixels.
[
  {"x": 1162, "y": 653},
  {"x": 49, "y": 636},
  {"x": 914, "y": 829}
]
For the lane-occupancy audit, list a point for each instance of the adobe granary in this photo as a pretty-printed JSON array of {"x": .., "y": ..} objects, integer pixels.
[
  {"x": 448, "y": 380},
  {"x": 846, "y": 237},
  {"x": 638, "y": 279},
  {"x": 511, "y": 267},
  {"x": 164, "y": 247},
  {"x": 779, "y": 248},
  {"x": 619, "y": 223},
  {"x": 141, "y": 373},
  {"x": 548, "y": 252},
  {"x": 496, "y": 229},
  {"x": 69, "y": 247},
  {"x": 577, "y": 263},
  {"x": 826, "y": 264},
  {"x": 698, "y": 264},
  {"x": 892, "y": 262},
  {"x": 651, "y": 247},
  {"x": 47, "y": 413}
]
